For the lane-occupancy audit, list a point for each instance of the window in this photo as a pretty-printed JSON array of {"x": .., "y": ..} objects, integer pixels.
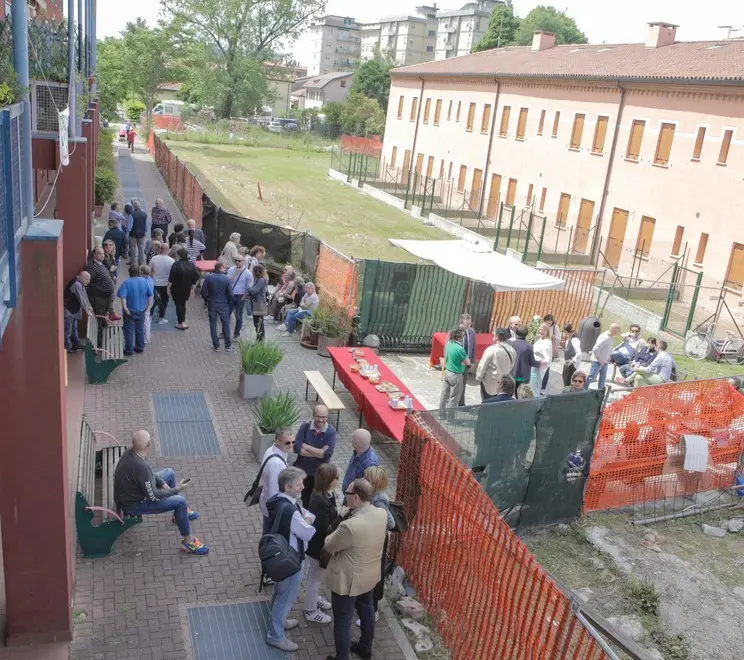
[
  {"x": 427, "y": 109},
  {"x": 563, "y": 206},
  {"x": 438, "y": 112},
  {"x": 441, "y": 169},
  {"x": 697, "y": 150},
  {"x": 664, "y": 145},
  {"x": 430, "y": 49},
  {"x": 541, "y": 123},
  {"x": 735, "y": 272},
  {"x": 461, "y": 178},
  {"x": 486, "y": 118},
  {"x": 511, "y": 192},
  {"x": 677, "y": 245},
  {"x": 414, "y": 108},
  {"x": 430, "y": 167},
  {"x": 600, "y": 134},
  {"x": 504, "y": 128},
  {"x": 419, "y": 163},
  {"x": 702, "y": 244},
  {"x": 723, "y": 154},
  {"x": 449, "y": 111},
  {"x": 556, "y": 123},
  {"x": 577, "y": 132},
  {"x": 635, "y": 139},
  {"x": 529, "y": 195},
  {"x": 522, "y": 123},
  {"x": 471, "y": 117},
  {"x": 645, "y": 234},
  {"x": 449, "y": 172},
  {"x": 542, "y": 199},
  {"x": 393, "y": 156},
  {"x": 459, "y": 106},
  {"x": 400, "y": 107}
]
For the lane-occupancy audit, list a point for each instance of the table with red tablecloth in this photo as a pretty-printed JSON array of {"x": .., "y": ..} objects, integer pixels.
[
  {"x": 205, "y": 266},
  {"x": 373, "y": 405},
  {"x": 439, "y": 339}
]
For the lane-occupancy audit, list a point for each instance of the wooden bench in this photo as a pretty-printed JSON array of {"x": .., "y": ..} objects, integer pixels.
[
  {"x": 96, "y": 540},
  {"x": 101, "y": 358},
  {"x": 323, "y": 392}
]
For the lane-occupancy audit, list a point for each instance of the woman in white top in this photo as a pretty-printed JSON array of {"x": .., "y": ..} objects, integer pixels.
[
  {"x": 555, "y": 334},
  {"x": 543, "y": 349}
]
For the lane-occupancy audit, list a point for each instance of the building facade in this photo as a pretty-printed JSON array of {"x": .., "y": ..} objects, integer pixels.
[
  {"x": 315, "y": 92},
  {"x": 459, "y": 30},
  {"x": 407, "y": 40},
  {"x": 335, "y": 45},
  {"x": 631, "y": 151},
  {"x": 370, "y": 35}
]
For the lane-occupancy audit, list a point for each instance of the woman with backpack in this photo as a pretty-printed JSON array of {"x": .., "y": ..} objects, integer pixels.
[{"x": 571, "y": 354}]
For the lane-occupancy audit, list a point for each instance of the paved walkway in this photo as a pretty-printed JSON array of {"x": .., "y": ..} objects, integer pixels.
[{"x": 134, "y": 604}]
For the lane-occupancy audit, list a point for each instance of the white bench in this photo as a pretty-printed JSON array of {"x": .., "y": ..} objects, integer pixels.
[{"x": 323, "y": 392}]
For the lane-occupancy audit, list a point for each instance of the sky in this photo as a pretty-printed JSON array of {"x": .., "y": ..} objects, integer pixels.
[{"x": 624, "y": 23}]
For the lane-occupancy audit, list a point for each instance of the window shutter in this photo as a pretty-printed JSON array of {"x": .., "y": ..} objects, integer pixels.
[
  {"x": 556, "y": 123},
  {"x": 541, "y": 123},
  {"x": 505, "y": 114},
  {"x": 438, "y": 112},
  {"x": 636, "y": 137},
  {"x": 461, "y": 179},
  {"x": 471, "y": 117},
  {"x": 427, "y": 109},
  {"x": 664, "y": 145},
  {"x": 577, "y": 132},
  {"x": 600, "y": 134},
  {"x": 400, "y": 107},
  {"x": 725, "y": 145},
  {"x": 699, "y": 140},
  {"x": 486, "y": 119},
  {"x": 522, "y": 123}
]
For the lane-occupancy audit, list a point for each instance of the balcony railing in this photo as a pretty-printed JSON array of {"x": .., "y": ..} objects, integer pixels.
[{"x": 47, "y": 99}]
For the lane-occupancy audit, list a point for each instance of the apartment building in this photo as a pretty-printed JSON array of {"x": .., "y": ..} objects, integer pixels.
[
  {"x": 370, "y": 37},
  {"x": 459, "y": 30},
  {"x": 335, "y": 45},
  {"x": 626, "y": 148},
  {"x": 316, "y": 91},
  {"x": 405, "y": 40},
  {"x": 51, "y": 9}
]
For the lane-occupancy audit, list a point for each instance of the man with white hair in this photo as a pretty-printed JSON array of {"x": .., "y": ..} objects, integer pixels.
[
  {"x": 600, "y": 357},
  {"x": 140, "y": 491},
  {"x": 514, "y": 322},
  {"x": 362, "y": 457},
  {"x": 161, "y": 217},
  {"x": 198, "y": 233},
  {"x": 75, "y": 301},
  {"x": 308, "y": 305},
  {"x": 231, "y": 250}
]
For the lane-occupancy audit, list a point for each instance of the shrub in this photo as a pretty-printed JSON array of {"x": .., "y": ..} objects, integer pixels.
[
  {"x": 134, "y": 109},
  {"x": 276, "y": 412},
  {"x": 259, "y": 357},
  {"x": 106, "y": 183},
  {"x": 329, "y": 320}
]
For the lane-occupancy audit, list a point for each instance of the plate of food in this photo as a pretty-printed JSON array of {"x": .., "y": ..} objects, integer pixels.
[{"x": 396, "y": 404}]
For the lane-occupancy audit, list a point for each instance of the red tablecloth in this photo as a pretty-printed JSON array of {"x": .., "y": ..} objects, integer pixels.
[
  {"x": 205, "y": 266},
  {"x": 439, "y": 339},
  {"x": 372, "y": 404}
]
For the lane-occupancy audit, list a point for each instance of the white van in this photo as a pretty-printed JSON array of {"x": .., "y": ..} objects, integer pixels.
[{"x": 169, "y": 108}]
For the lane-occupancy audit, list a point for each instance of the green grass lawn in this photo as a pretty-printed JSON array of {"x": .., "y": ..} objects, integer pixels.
[{"x": 298, "y": 193}]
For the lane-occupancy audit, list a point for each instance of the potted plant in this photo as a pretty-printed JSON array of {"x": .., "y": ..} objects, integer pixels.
[
  {"x": 331, "y": 324},
  {"x": 257, "y": 363},
  {"x": 272, "y": 413},
  {"x": 309, "y": 336},
  {"x": 105, "y": 189}
]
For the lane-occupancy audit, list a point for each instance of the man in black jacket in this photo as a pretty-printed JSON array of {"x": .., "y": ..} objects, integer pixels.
[
  {"x": 525, "y": 359},
  {"x": 138, "y": 491},
  {"x": 101, "y": 287},
  {"x": 217, "y": 293}
]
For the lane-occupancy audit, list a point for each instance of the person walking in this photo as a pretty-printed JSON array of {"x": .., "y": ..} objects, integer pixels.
[
  {"x": 259, "y": 304},
  {"x": 139, "y": 230},
  {"x": 572, "y": 355},
  {"x": 600, "y": 357},
  {"x": 469, "y": 344},
  {"x": 75, "y": 300},
  {"x": 356, "y": 548},
  {"x": 296, "y": 526},
  {"x": 161, "y": 265},
  {"x": 131, "y": 135},
  {"x": 543, "y": 352},
  {"x": 497, "y": 361},
  {"x": 217, "y": 295},
  {"x": 183, "y": 276},
  {"x": 161, "y": 217},
  {"x": 525, "y": 357},
  {"x": 314, "y": 446},
  {"x": 455, "y": 362},
  {"x": 136, "y": 296},
  {"x": 241, "y": 281},
  {"x": 231, "y": 250},
  {"x": 322, "y": 504},
  {"x": 101, "y": 286}
]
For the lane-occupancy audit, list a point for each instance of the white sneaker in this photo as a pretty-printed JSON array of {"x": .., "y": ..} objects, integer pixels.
[
  {"x": 162, "y": 321},
  {"x": 289, "y": 624},
  {"x": 377, "y": 618},
  {"x": 281, "y": 328},
  {"x": 323, "y": 604},
  {"x": 317, "y": 617}
]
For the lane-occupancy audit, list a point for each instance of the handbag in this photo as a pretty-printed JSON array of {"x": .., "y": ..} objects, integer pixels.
[
  {"x": 325, "y": 556},
  {"x": 399, "y": 515},
  {"x": 254, "y": 492}
]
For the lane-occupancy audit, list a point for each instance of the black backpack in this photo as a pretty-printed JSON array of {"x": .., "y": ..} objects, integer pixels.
[{"x": 279, "y": 560}]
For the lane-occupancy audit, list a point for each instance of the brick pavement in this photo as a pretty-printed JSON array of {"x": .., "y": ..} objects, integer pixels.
[{"x": 135, "y": 600}]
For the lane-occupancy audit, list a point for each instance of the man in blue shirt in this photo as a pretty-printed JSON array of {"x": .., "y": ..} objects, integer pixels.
[
  {"x": 314, "y": 445},
  {"x": 362, "y": 458},
  {"x": 217, "y": 294},
  {"x": 136, "y": 295},
  {"x": 241, "y": 280},
  {"x": 656, "y": 373}
]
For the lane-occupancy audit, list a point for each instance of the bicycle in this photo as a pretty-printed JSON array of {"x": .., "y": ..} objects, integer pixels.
[{"x": 701, "y": 344}]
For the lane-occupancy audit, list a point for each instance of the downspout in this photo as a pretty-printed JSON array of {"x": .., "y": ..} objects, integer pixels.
[
  {"x": 608, "y": 176},
  {"x": 71, "y": 93},
  {"x": 20, "y": 63},
  {"x": 490, "y": 144},
  {"x": 416, "y": 128},
  {"x": 93, "y": 46}
]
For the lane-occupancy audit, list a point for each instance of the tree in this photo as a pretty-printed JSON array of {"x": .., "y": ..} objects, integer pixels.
[
  {"x": 362, "y": 116},
  {"x": 502, "y": 29},
  {"x": 231, "y": 38},
  {"x": 111, "y": 79},
  {"x": 550, "y": 19},
  {"x": 334, "y": 116},
  {"x": 373, "y": 80}
]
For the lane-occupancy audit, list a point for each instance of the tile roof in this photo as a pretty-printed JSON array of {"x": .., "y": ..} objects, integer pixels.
[
  {"x": 686, "y": 61},
  {"x": 318, "y": 82}
]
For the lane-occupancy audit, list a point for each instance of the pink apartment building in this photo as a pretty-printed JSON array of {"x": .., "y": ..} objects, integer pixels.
[{"x": 628, "y": 149}]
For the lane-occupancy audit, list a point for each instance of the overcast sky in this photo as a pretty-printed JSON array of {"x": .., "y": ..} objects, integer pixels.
[{"x": 627, "y": 23}]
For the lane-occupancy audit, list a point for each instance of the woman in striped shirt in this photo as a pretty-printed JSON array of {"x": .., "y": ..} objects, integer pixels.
[{"x": 194, "y": 247}]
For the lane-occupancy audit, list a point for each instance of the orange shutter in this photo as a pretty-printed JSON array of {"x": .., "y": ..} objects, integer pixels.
[
  {"x": 393, "y": 156},
  {"x": 504, "y": 128},
  {"x": 438, "y": 112},
  {"x": 459, "y": 107},
  {"x": 677, "y": 246},
  {"x": 511, "y": 192},
  {"x": 427, "y": 109},
  {"x": 556, "y": 123},
  {"x": 563, "y": 206},
  {"x": 600, "y": 134},
  {"x": 541, "y": 123},
  {"x": 486, "y": 119},
  {"x": 577, "y": 131},
  {"x": 542, "y": 199},
  {"x": 449, "y": 111},
  {"x": 430, "y": 167},
  {"x": 635, "y": 139},
  {"x": 522, "y": 123},
  {"x": 699, "y": 140},
  {"x": 702, "y": 244},
  {"x": 723, "y": 154},
  {"x": 645, "y": 236},
  {"x": 664, "y": 145},
  {"x": 461, "y": 178},
  {"x": 400, "y": 106},
  {"x": 414, "y": 108},
  {"x": 471, "y": 117},
  {"x": 735, "y": 272}
]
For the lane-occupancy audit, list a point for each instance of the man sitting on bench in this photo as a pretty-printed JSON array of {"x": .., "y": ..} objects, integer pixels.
[
  {"x": 656, "y": 373},
  {"x": 138, "y": 491}
]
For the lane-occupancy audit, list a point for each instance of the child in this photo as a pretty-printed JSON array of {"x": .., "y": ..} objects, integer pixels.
[
  {"x": 145, "y": 272},
  {"x": 131, "y": 134}
]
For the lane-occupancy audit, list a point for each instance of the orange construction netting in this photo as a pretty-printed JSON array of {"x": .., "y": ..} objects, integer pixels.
[
  {"x": 638, "y": 455},
  {"x": 335, "y": 276},
  {"x": 361, "y": 145},
  {"x": 487, "y": 594},
  {"x": 183, "y": 184}
]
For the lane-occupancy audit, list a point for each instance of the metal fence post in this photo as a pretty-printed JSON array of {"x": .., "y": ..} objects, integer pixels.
[
  {"x": 601, "y": 289},
  {"x": 498, "y": 233},
  {"x": 542, "y": 236},
  {"x": 511, "y": 224},
  {"x": 670, "y": 298},
  {"x": 527, "y": 240},
  {"x": 693, "y": 303},
  {"x": 568, "y": 247}
]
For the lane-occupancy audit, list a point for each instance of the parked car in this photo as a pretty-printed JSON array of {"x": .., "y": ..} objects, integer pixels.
[
  {"x": 274, "y": 126},
  {"x": 288, "y": 124}
]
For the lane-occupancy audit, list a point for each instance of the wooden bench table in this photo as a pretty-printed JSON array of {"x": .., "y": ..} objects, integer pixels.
[
  {"x": 324, "y": 392},
  {"x": 96, "y": 540},
  {"x": 104, "y": 350}
]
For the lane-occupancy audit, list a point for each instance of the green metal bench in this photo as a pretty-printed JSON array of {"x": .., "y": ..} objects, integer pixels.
[
  {"x": 96, "y": 539},
  {"x": 101, "y": 359}
]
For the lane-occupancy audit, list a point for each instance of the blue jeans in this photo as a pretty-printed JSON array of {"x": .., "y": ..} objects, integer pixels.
[
  {"x": 221, "y": 311},
  {"x": 595, "y": 369},
  {"x": 343, "y": 614},
  {"x": 294, "y": 315},
  {"x": 619, "y": 358},
  {"x": 237, "y": 306},
  {"x": 134, "y": 332},
  {"x": 71, "y": 332},
  {"x": 175, "y": 503},
  {"x": 282, "y": 601}
]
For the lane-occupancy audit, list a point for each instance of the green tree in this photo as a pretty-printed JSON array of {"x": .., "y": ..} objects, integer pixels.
[
  {"x": 373, "y": 80},
  {"x": 231, "y": 38},
  {"x": 334, "y": 117},
  {"x": 502, "y": 29},
  {"x": 362, "y": 116},
  {"x": 549, "y": 19},
  {"x": 111, "y": 79}
]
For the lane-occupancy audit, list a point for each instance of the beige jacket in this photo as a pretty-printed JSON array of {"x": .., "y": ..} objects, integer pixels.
[
  {"x": 356, "y": 547},
  {"x": 498, "y": 360}
]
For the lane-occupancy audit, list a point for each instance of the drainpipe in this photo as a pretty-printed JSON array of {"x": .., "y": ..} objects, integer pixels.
[
  {"x": 490, "y": 144},
  {"x": 415, "y": 130},
  {"x": 71, "y": 66},
  {"x": 20, "y": 61},
  {"x": 608, "y": 175},
  {"x": 80, "y": 37},
  {"x": 93, "y": 45}
]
